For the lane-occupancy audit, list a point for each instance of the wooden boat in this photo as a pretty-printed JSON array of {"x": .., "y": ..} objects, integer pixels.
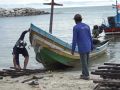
[
  {"x": 112, "y": 26},
  {"x": 54, "y": 53}
]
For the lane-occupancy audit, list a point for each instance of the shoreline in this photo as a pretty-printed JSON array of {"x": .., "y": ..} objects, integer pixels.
[{"x": 65, "y": 80}]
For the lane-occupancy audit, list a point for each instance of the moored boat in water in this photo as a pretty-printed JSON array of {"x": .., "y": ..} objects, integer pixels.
[
  {"x": 112, "y": 26},
  {"x": 54, "y": 53}
]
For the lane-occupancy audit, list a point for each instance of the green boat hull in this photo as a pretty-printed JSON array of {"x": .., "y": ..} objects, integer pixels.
[{"x": 52, "y": 60}]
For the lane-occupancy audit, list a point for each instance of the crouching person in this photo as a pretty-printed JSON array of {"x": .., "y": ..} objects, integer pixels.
[{"x": 19, "y": 48}]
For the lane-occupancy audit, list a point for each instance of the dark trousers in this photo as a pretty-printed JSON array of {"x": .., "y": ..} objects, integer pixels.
[
  {"x": 17, "y": 51},
  {"x": 84, "y": 57}
]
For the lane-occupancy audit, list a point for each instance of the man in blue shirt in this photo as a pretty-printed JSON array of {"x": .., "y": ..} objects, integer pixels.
[{"x": 82, "y": 38}]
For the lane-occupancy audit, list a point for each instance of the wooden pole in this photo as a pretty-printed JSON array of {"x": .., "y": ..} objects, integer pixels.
[
  {"x": 52, "y": 12},
  {"x": 51, "y": 17},
  {"x": 117, "y": 11}
]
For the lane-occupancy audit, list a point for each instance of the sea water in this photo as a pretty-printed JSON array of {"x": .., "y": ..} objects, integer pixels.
[{"x": 12, "y": 27}]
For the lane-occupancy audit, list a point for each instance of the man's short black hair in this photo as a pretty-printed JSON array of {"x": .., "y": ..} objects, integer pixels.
[
  {"x": 95, "y": 27},
  {"x": 78, "y": 18}
]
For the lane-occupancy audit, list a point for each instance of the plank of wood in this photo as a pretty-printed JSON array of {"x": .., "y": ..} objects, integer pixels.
[
  {"x": 16, "y": 73},
  {"x": 109, "y": 81},
  {"x": 109, "y": 67},
  {"x": 109, "y": 70},
  {"x": 106, "y": 73},
  {"x": 34, "y": 77},
  {"x": 109, "y": 77},
  {"x": 114, "y": 64}
]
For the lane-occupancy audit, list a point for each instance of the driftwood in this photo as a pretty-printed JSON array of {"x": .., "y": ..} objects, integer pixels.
[
  {"x": 106, "y": 73},
  {"x": 110, "y": 74},
  {"x": 97, "y": 87},
  {"x": 115, "y": 64},
  {"x": 113, "y": 74},
  {"x": 109, "y": 70},
  {"x": 112, "y": 82},
  {"x": 16, "y": 73},
  {"x": 102, "y": 87},
  {"x": 109, "y": 77},
  {"x": 109, "y": 67},
  {"x": 107, "y": 88},
  {"x": 34, "y": 77}
]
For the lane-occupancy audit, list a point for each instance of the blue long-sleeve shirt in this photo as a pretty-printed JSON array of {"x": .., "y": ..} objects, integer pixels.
[{"x": 82, "y": 38}]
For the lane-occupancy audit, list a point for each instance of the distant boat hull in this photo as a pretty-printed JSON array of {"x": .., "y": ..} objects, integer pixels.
[
  {"x": 54, "y": 53},
  {"x": 112, "y": 31}
]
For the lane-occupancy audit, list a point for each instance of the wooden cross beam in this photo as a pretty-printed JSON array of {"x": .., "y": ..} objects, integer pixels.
[{"x": 51, "y": 15}]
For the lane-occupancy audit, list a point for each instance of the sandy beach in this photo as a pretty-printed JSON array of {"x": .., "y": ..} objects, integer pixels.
[{"x": 69, "y": 80}]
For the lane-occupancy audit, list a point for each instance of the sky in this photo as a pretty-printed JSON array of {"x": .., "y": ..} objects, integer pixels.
[
  {"x": 66, "y": 3},
  {"x": 41, "y": 1}
]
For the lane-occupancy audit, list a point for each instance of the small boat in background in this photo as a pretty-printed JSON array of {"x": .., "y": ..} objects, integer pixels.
[
  {"x": 54, "y": 53},
  {"x": 112, "y": 26}
]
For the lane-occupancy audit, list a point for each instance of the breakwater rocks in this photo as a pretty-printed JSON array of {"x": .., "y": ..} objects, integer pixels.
[{"x": 20, "y": 12}]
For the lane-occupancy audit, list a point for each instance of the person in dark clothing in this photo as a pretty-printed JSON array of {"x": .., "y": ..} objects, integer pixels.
[
  {"x": 19, "y": 48},
  {"x": 95, "y": 31},
  {"x": 82, "y": 38}
]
